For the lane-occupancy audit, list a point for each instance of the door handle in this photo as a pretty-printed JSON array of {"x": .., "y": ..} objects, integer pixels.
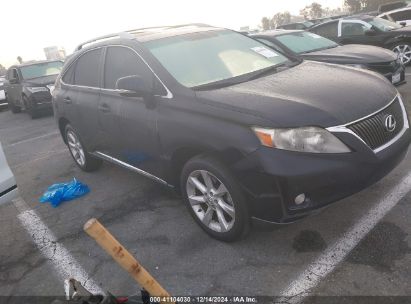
[
  {"x": 67, "y": 100},
  {"x": 104, "y": 108}
]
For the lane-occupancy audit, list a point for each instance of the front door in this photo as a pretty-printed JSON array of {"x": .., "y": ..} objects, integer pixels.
[
  {"x": 14, "y": 87},
  {"x": 128, "y": 124}
]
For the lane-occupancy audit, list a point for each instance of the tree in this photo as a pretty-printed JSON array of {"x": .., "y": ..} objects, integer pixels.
[
  {"x": 355, "y": 6},
  {"x": 312, "y": 11},
  {"x": 265, "y": 23},
  {"x": 280, "y": 19}
]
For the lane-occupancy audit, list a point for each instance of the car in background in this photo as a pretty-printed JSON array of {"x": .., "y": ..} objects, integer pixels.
[
  {"x": 311, "y": 46},
  {"x": 401, "y": 16},
  {"x": 383, "y": 8},
  {"x": 29, "y": 86},
  {"x": 243, "y": 131},
  {"x": 8, "y": 186},
  {"x": 3, "y": 100},
  {"x": 296, "y": 26},
  {"x": 369, "y": 30}
]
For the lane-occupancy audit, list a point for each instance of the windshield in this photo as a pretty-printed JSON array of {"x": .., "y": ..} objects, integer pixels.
[
  {"x": 41, "y": 69},
  {"x": 304, "y": 42},
  {"x": 205, "y": 57},
  {"x": 384, "y": 25}
]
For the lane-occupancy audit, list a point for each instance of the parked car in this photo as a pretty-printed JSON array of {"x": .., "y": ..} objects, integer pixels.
[
  {"x": 369, "y": 30},
  {"x": 242, "y": 130},
  {"x": 311, "y": 46},
  {"x": 401, "y": 16},
  {"x": 29, "y": 86},
  {"x": 296, "y": 26},
  {"x": 392, "y": 6},
  {"x": 8, "y": 187},
  {"x": 3, "y": 101}
]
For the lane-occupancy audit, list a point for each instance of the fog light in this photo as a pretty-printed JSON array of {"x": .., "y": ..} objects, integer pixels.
[{"x": 299, "y": 199}]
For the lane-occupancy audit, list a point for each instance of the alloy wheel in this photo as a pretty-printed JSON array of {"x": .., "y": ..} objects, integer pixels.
[
  {"x": 76, "y": 148},
  {"x": 210, "y": 200},
  {"x": 404, "y": 53}
]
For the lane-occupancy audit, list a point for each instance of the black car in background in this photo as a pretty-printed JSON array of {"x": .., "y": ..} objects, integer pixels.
[
  {"x": 369, "y": 30},
  {"x": 242, "y": 130},
  {"x": 28, "y": 86},
  {"x": 311, "y": 46}
]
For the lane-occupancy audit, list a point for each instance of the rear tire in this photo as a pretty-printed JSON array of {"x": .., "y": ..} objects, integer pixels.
[
  {"x": 83, "y": 159},
  {"x": 214, "y": 198}
]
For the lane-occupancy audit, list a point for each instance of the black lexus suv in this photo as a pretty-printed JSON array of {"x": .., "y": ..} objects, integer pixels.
[
  {"x": 242, "y": 130},
  {"x": 28, "y": 86}
]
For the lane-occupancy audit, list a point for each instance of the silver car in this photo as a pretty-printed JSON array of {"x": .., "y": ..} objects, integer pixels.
[{"x": 8, "y": 187}]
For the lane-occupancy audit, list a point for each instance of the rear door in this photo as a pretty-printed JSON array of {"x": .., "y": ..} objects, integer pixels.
[
  {"x": 128, "y": 125},
  {"x": 354, "y": 32},
  {"x": 80, "y": 93}
]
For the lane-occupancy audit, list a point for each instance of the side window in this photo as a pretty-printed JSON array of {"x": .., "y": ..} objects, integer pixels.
[
  {"x": 384, "y": 17},
  {"x": 87, "y": 70},
  {"x": 69, "y": 74},
  {"x": 122, "y": 62},
  {"x": 353, "y": 29},
  {"x": 328, "y": 30},
  {"x": 400, "y": 16}
]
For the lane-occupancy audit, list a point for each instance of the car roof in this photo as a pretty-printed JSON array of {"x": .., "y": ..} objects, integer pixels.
[
  {"x": 276, "y": 32},
  {"x": 153, "y": 33},
  {"x": 34, "y": 63},
  {"x": 406, "y": 8}
]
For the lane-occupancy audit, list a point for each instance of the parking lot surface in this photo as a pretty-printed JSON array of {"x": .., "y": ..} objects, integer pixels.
[{"x": 153, "y": 223}]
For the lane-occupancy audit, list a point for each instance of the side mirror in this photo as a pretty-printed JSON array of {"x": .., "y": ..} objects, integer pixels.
[
  {"x": 370, "y": 32},
  {"x": 403, "y": 23},
  {"x": 133, "y": 86}
]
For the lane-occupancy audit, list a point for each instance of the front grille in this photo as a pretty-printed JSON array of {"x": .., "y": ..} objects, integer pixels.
[
  {"x": 372, "y": 130},
  {"x": 41, "y": 96}
]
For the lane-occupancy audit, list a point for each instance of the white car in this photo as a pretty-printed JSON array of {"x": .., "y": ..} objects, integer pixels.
[
  {"x": 8, "y": 187},
  {"x": 3, "y": 101},
  {"x": 400, "y": 15}
]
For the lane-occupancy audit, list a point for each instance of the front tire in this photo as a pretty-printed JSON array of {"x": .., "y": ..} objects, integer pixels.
[
  {"x": 84, "y": 160},
  {"x": 215, "y": 199},
  {"x": 30, "y": 109},
  {"x": 14, "y": 109},
  {"x": 403, "y": 50}
]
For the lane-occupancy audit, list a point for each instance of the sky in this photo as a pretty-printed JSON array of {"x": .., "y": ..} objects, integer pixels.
[{"x": 30, "y": 25}]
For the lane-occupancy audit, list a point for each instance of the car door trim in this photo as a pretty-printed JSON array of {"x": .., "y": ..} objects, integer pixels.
[{"x": 130, "y": 167}]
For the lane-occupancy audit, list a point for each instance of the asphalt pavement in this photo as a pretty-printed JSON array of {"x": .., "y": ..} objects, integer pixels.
[{"x": 361, "y": 246}]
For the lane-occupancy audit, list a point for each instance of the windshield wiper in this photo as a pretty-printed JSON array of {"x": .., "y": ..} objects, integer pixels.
[{"x": 215, "y": 85}]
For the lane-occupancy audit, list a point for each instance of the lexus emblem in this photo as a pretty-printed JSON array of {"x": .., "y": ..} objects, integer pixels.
[{"x": 390, "y": 123}]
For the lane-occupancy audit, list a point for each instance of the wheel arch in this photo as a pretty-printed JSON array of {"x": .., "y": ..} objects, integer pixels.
[{"x": 62, "y": 123}]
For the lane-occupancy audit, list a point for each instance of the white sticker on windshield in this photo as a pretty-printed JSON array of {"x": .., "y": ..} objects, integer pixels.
[
  {"x": 264, "y": 52},
  {"x": 314, "y": 35}
]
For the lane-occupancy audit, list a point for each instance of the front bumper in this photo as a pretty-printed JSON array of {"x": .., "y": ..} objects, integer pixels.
[
  {"x": 272, "y": 178},
  {"x": 41, "y": 101}
]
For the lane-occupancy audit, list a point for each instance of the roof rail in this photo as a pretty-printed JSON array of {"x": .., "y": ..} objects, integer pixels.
[{"x": 127, "y": 34}]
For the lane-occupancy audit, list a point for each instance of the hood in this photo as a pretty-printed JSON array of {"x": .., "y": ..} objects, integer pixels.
[
  {"x": 352, "y": 54},
  {"x": 310, "y": 94},
  {"x": 42, "y": 81},
  {"x": 404, "y": 30}
]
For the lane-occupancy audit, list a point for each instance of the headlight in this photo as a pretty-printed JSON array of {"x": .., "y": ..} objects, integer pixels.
[
  {"x": 37, "y": 89},
  {"x": 305, "y": 139},
  {"x": 358, "y": 66}
]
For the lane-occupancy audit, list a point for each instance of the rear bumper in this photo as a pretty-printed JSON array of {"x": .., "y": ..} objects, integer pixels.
[
  {"x": 401, "y": 71},
  {"x": 272, "y": 178}
]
